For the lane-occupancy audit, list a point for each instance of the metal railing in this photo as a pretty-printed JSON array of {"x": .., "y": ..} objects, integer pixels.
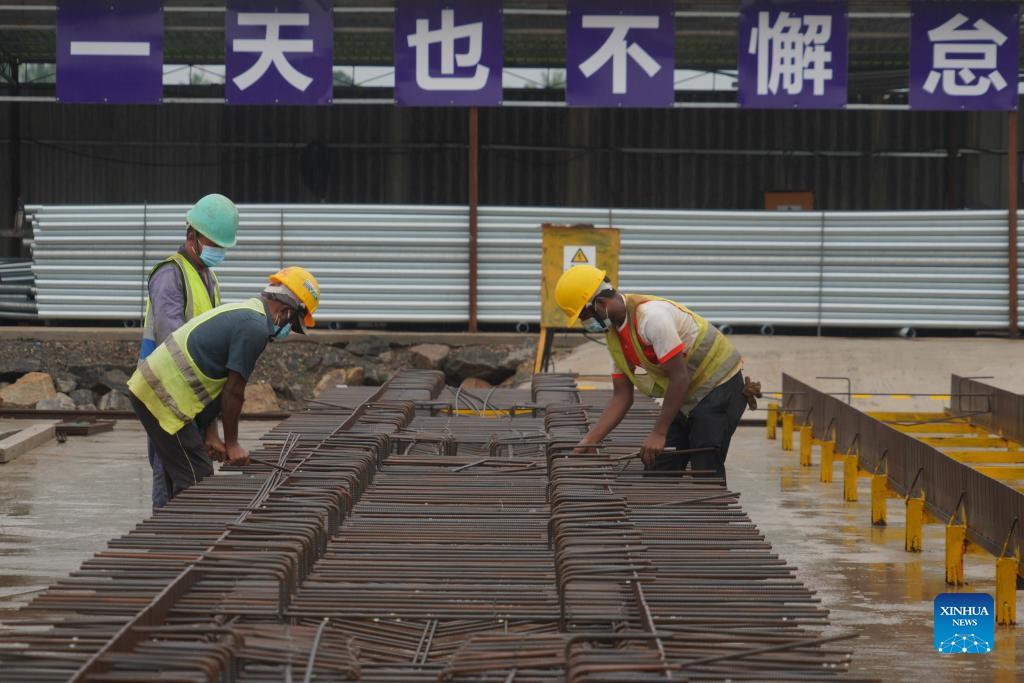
[{"x": 399, "y": 263}]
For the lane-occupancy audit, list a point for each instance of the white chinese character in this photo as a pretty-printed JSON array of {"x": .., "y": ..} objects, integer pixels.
[
  {"x": 958, "y": 51},
  {"x": 272, "y": 48},
  {"x": 786, "y": 53},
  {"x": 616, "y": 49},
  {"x": 446, "y": 36}
]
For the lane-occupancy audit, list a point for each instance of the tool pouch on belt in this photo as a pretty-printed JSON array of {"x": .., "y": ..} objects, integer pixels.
[{"x": 751, "y": 392}]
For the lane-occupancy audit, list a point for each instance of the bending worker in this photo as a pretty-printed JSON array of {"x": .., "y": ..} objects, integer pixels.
[
  {"x": 685, "y": 360},
  {"x": 211, "y": 357},
  {"x": 183, "y": 286}
]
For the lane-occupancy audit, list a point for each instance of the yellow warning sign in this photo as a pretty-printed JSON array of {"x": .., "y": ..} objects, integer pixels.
[{"x": 568, "y": 246}]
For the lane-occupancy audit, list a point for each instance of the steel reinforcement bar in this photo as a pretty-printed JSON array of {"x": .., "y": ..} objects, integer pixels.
[{"x": 418, "y": 533}]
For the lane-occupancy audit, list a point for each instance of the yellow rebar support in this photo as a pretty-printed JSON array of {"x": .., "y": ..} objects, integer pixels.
[
  {"x": 879, "y": 496},
  {"x": 828, "y": 452},
  {"x": 787, "y": 431},
  {"x": 806, "y": 442},
  {"x": 772, "y": 421},
  {"x": 1002, "y": 471},
  {"x": 1006, "y": 589},
  {"x": 915, "y": 523},
  {"x": 990, "y": 457},
  {"x": 850, "y": 477},
  {"x": 935, "y": 428},
  {"x": 974, "y": 441},
  {"x": 956, "y": 546}
]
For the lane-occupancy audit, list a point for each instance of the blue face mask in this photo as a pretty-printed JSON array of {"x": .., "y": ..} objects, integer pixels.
[
  {"x": 592, "y": 324},
  {"x": 212, "y": 256},
  {"x": 283, "y": 331}
]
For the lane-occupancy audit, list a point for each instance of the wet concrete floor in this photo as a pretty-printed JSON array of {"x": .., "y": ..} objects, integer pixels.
[
  {"x": 861, "y": 573},
  {"x": 61, "y": 503}
]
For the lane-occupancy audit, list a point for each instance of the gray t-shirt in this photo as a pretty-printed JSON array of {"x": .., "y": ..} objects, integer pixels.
[{"x": 230, "y": 341}]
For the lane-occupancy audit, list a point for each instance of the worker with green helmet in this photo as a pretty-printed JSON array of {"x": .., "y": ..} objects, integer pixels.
[
  {"x": 667, "y": 351},
  {"x": 184, "y": 286}
]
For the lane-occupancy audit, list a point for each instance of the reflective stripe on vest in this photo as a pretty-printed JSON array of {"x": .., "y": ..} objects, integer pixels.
[
  {"x": 170, "y": 383},
  {"x": 710, "y": 361},
  {"x": 197, "y": 297}
]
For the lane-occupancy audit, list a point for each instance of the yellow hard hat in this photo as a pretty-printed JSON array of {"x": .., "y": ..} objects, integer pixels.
[
  {"x": 304, "y": 286},
  {"x": 576, "y": 288}
]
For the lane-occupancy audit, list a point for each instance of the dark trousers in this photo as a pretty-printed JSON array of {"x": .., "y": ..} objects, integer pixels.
[
  {"x": 183, "y": 455},
  {"x": 709, "y": 425}
]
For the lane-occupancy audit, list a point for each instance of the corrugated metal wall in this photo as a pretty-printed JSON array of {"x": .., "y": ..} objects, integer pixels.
[
  {"x": 653, "y": 159},
  {"x": 408, "y": 263}
]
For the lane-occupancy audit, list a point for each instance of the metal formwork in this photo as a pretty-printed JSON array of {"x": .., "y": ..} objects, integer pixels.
[
  {"x": 913, "y": 465},
  {"x": 395, "y": 538}
]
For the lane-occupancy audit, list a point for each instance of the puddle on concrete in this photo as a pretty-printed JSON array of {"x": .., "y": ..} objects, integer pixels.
[{"x": 861, "y": 573}]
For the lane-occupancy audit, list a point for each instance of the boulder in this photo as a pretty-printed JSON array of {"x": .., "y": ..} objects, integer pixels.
[
  {"x": 83, "y": 397},
  {"x": 368, "y": 346},
  {"x": 476, "y": 361},
  {"x": 86, "y": 406},
  {"x": 115, "y": 400},
  {"x": 59, "y": 402},
  {"x": 114, "y": 379},
  {"x": 429, "y": 356},
  {"x": 476, "y": 383},
  {"x": 29, "y": 390},
  {"x": 374, "y": 375},
  {"x": 14, "y": 365},
  {"x": 330, "y": 380},
  {"x": 65, "y": 382},
  {"x": 260, "y": 398},
  {"x": 516, "y": 357}
]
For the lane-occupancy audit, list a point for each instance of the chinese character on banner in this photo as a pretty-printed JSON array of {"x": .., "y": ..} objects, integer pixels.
[
  {"x": 448, "y": 52},
  {"x": 278, "y": 52},
  {"x": 964, "y": 56},
  {"x": 620, "y": 53},
  {"x": 110, "y": 51},
  {"x": 792, "y": 53}
]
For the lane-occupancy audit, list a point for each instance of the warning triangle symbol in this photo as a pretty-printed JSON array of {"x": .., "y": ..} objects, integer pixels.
[{"x": 580, "y": 257}]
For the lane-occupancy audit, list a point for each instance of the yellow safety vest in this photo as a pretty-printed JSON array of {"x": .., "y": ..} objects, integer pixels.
[
  {"x": 197, "y": 297},
  {"x": 170, "y": 383},
  {"x": 712, "y": 360}
]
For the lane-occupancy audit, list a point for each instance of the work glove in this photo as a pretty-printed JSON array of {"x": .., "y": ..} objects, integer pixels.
[{"x": 751, "y": 392}]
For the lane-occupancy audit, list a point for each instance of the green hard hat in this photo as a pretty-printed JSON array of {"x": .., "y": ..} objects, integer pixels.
[{"x": 215, "y": 217}]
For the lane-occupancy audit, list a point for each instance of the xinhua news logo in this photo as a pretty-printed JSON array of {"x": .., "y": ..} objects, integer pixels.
[{"x": 965, "y": 623}]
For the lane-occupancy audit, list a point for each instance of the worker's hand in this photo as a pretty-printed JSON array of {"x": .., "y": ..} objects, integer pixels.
[
  {"x": 236, "y": 455},
  {"x": 584, "y": 447},
  {"x": 751, "y": 392},
  {"x": 215, "y": 447},
  {"x": 651, "y": 448}
]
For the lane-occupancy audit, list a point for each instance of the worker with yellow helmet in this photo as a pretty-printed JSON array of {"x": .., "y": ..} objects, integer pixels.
[
  {"x": 684, "y": 360},
  {"x": 211, "y": 357}
]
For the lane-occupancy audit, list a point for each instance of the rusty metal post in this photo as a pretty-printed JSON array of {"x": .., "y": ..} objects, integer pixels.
[
  {"x": 474, "y": 200},
  {"x": 1011, "y": 203}
]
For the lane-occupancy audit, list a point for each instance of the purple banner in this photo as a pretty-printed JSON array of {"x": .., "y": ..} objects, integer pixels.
[
  {"x": 278, "y": 52},
  {"x": 792, "y": 54},
  {"x": 963, "y": 56},
  {"x": 110, "y": 51},
  {"x": 448, "y": 52},
  {"x": 620, "y": 53}
]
